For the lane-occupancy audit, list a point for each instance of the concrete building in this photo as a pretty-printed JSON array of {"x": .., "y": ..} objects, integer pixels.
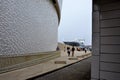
[
  {"x": 23, "y": 24},
  {"x": 28, "y": 32},
  {"x": 106, "y": 40},
  {"x": 28, "y": 26}
]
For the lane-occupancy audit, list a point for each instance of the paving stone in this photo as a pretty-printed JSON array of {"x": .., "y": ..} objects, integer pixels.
[
  {"x": 60, "y": 62},
  {"x": 73, "y": 58}
]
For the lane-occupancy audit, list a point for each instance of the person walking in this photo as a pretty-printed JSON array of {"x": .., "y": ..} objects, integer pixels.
[
  {"x": 73, "y": 49},
  {"x": 57, "y": 49},
  {"x": 85, "y": 50},
  {"x": 64, "y": 48},
  {"x": 68, "y": 51}
]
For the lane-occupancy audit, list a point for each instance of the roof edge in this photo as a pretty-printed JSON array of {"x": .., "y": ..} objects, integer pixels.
[{"x": 58, "y": 7}]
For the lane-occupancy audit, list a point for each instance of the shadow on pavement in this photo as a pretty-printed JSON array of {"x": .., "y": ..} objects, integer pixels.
[{"x": 78, "y": 71}]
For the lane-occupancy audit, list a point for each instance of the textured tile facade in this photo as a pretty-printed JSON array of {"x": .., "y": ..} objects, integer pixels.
[{"x": 27, "y": 26}]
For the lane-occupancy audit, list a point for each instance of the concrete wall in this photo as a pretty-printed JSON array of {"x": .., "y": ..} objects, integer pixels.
[
  {"x": 11, "y": 63},
  {"x": 106, "y": 40},
  {"x": 27, "y": 26}
]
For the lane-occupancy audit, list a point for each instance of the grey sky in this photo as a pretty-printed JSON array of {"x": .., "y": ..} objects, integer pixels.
[{"x": 76, "y": 21}]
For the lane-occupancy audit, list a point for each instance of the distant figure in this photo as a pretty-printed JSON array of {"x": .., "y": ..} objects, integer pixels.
[
  {"x": 64, "y": 48},
  {"x": 57, "y": 48},
  {"x": 78, "y": 49},
  {"x": 73, "y": 49},
  {"x": 85, "y": 50},
  {"x": 90, "y": 49},
  {"x": 68, "y": 51}
]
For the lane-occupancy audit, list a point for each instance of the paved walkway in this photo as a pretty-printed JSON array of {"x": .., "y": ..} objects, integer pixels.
[
  {"x": 42, "y": 68},
  {"x": 80, "y": 70}
]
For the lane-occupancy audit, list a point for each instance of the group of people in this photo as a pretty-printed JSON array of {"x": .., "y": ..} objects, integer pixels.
[
  {"x": 69, "y": 51},
  {"x": 73, "y": 50}
]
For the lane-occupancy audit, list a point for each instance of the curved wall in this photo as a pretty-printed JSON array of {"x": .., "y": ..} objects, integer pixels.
[{"x": 27, "y": 26}]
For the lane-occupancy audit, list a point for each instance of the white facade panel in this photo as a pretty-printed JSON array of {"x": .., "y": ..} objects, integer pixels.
[{"x": 27, "y": 26}]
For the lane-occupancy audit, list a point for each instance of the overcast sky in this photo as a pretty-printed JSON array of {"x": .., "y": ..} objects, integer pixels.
[{"x": 76, "y": 21}]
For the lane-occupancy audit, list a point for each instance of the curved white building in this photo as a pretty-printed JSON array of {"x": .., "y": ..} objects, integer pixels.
[{"x": 28, "y": 26}]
